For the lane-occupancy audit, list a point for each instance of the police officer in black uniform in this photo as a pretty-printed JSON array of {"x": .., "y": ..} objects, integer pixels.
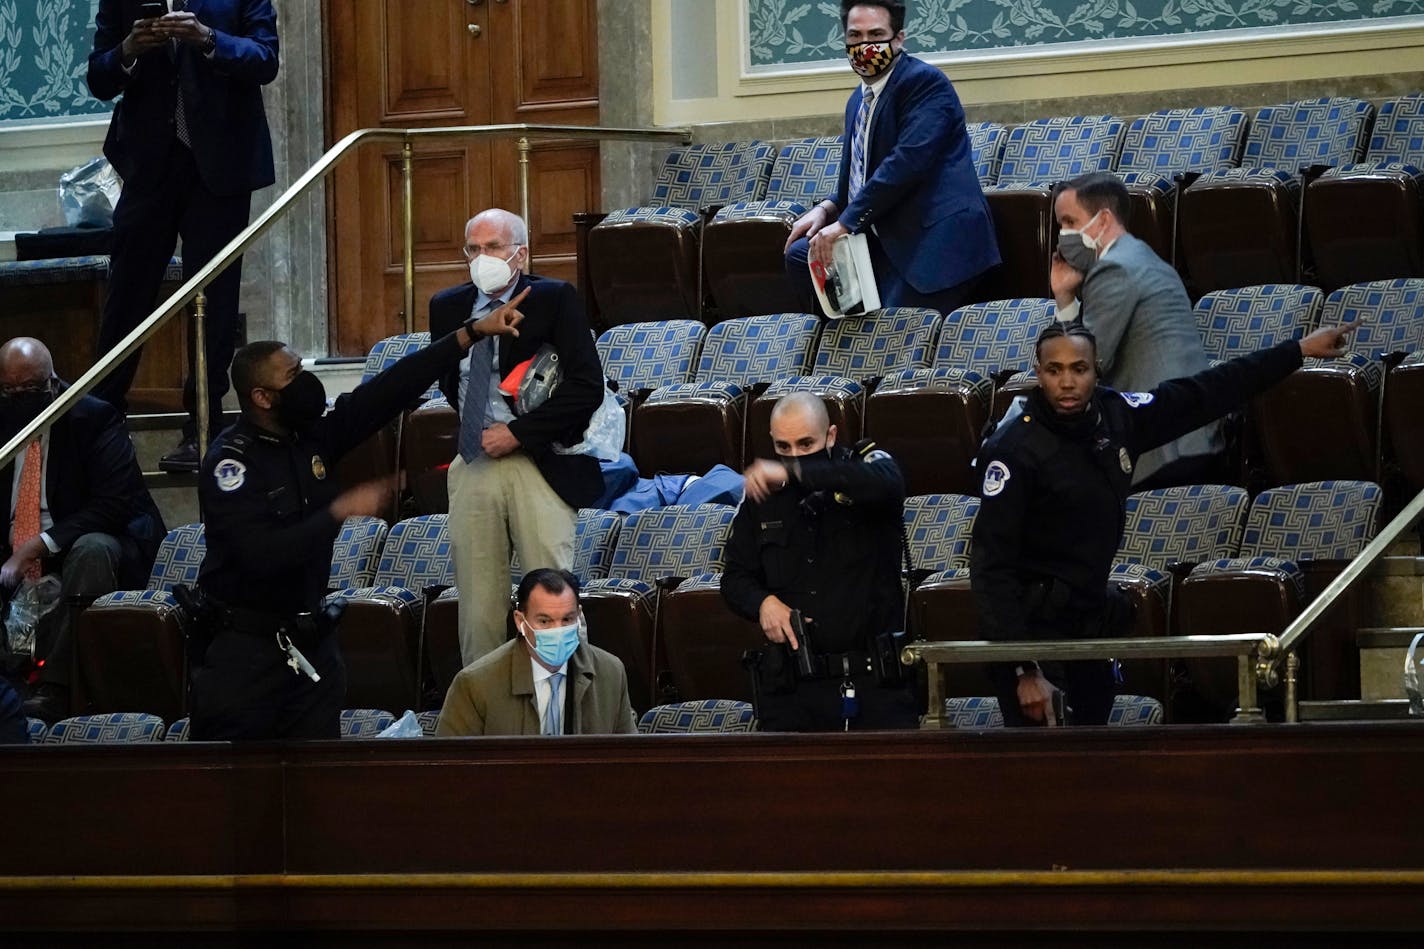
[
  {"x": 820, "y": 533},
  {"x": 271, "y": 667},
  {"x": 1056, "y": 479}
]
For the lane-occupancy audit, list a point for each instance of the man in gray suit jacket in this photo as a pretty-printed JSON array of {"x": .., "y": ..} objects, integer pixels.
[
  {"x": 1136, "y": 306},
  {"x": 545, "y": 682}
]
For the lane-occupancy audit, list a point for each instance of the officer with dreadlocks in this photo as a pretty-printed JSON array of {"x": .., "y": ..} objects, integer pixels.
[{"x": 1056, "y": 478}]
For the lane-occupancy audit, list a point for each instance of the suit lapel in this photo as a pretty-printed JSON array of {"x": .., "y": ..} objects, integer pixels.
[
  {"x": 521, "y": 687},
  {"x": 508, "y": 357},
  {"x": 581, "y": 680}
]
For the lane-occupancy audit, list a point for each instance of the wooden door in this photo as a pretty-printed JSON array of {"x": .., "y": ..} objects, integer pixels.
[{"x": 432, "y": 63}]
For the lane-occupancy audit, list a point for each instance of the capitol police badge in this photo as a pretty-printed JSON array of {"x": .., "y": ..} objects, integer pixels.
[
  {"x": 1125, "y": 460},
  {"x": 318, "y": 468},
  {"x": 995, "y": 477},
  {"x": 230, "y": 474}
]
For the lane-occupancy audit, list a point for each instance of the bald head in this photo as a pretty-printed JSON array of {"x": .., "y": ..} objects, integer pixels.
[
  {"x": 24, "y": 362},
  {"x": 800, "y": 425},
  {"x": 509, "y": 227}
]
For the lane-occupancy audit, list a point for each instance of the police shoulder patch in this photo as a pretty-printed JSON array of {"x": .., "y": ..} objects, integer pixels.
[
  {"x": 876, "y": 455},
  {"x": 995, "y": 477},
  {"x": 1137, "y": 399},
  {"x": 230, "y": 474}
]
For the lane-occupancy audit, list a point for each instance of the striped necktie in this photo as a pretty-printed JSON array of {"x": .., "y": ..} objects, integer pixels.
[
  {"x": 859, "y": 138},
  {"x": 554, "y": 714},
  {"x": 180, "y": 112},
  {"x": 477, "y": 394}
]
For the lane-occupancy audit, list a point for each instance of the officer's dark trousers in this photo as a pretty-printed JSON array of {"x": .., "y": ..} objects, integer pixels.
[
  {"x": 246, "y": 691},
  {"x": 816, "y": 706},
  {"x": 1088, "y": 689}
]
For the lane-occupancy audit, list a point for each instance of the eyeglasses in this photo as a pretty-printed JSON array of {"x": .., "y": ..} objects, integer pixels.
[{"x": 498, "y": 250}]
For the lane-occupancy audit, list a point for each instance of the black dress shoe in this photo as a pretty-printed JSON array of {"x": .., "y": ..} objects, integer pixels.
[
  {"x": 183, "y": 458},
  {"x": 49, "y": 702}
]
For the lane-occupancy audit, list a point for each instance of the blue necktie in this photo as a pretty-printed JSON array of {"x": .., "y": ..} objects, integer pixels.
[
  {"x": 554, "y": 715},
  {"x": 859, "y": 136},
  {"x": 477, "y": 395}
]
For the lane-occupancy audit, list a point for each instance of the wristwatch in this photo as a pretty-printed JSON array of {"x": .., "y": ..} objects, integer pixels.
[{"x": 211, "y": 43}]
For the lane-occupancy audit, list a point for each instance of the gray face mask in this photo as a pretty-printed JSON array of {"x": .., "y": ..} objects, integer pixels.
[{"x": 1077, "y": 248}]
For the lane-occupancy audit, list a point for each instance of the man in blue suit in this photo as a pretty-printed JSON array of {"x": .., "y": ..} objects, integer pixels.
[
  {"x": 907, "y": 175},
  {"x": 190, "y": 139}
]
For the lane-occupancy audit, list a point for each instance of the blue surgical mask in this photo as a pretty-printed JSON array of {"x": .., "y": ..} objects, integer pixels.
[{"x": 555, "y": 646}]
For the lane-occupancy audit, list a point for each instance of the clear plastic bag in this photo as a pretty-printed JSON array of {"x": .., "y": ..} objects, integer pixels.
[
  {"x": 33, "y": 600},
  {"x": 1412, "y": 674},
  {"x": 603, "y": 439},
  {"x": 407, "y": 726},
  {"x": 88, "y": 194}
]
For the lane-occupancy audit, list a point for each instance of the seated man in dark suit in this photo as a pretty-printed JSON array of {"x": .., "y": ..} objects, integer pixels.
[
  {"x": 545, "y": 682},
  {"x": 78, "y": 508}
]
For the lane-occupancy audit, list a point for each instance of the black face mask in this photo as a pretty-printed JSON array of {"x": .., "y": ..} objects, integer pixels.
[
  {"x": 788, "y": 459},
  {"x": 303, "y": 401},
  {"x": 20, "y": 408}
]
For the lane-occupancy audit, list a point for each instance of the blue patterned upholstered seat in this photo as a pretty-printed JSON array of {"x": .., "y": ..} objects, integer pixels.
[
  {"x": 1182, "y": 525},
  {"x": 932, "y": 419},
  {"x": 129, "y": 644},
  {"x": 692, "y": 426},
  {"x": 878, "y": 343},
  {"x": 36, "y": 730},
  {"x": 803, "y": 173},
  {"x": 428, "y": 720},
  {"x": 643, "y": 261},
  {"x": 1043, "y": 152},
  {"x": 354, "y": 556},
  {"x": 595, "y": 536},
  {"x": 648, "y": 355},
  {"x": 389, "y": 351},
  {"x": 178, "y": 730},
  {"x": 679, "y": 540},
  {"x": 1321, "y": 422},
  {"x": 715, "y": 716},
  {"x": 1242, "y": 320},
  {"x": 364, "y": 722},
  {"x": 1239, "y": 226},
  {"x": 380, "y": 631},
  {"x": 106, "y": 728},
  {"x": 1159, "y": 147},
  {"x": 938, "y": 529},
  {"x": 982, "y": 711},
  {"x": 986, "y": 147}
]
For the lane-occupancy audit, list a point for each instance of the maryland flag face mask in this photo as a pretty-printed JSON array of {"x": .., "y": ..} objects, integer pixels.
[{"x": 870, "y": 59}]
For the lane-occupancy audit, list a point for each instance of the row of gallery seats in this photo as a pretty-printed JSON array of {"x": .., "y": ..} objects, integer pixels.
[
  {"x": 709, "y": 716},
  {"x": 925, "y": 386},
  {"x": 1202, "y": 559},
  {"x": 1321, "y": 191}
]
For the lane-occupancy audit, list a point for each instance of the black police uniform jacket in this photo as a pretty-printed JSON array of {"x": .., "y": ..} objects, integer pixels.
[
  {"x": 1053, "y": 495},
  {"x": 266, "y": 497},
  {"x": 828, "y": 544},
  {"x": 553, "y": 314}
]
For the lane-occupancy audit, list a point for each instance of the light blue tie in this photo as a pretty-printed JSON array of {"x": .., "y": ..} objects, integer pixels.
[
  {"x": 477, "y": 395},
  {"x": 554, "y": 714},
  {"x": 859, "y": 137}
]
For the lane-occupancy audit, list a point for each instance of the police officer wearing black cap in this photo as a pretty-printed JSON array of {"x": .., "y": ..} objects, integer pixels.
[
  {"x": 270, "y": 666},
  {"x": 816, "y": 546},
  {"x": 1056, "y": 479}
]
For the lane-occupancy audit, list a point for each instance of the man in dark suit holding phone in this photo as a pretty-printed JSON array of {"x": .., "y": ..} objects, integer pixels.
[{"x": 190, "y": 139}]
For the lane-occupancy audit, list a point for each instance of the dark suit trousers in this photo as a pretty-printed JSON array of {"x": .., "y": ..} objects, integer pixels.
[
  {"x": 894, "y": 290},
  {"x": 153, "y": 212}
]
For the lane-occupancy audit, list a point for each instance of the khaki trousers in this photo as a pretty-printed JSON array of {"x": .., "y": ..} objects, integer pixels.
[{"x": 496, "y": 502}]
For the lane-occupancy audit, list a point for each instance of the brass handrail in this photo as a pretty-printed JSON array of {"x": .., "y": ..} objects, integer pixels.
[
  {"x": 1252, "y": 651},
  {"x": 193, "y": 287}
]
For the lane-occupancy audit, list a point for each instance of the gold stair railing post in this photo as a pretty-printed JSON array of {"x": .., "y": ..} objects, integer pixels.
[
  {"x": 524, "y": 150},
  {"x": 200, "y": 370},
  {"x": 1292, "y": 674},
  {"x": 1247, "y": 711},
  {"x": 408, "y": 237}
]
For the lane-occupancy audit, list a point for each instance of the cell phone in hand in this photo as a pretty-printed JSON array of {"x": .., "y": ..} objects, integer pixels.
[{"x": 152, "y": 9}]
